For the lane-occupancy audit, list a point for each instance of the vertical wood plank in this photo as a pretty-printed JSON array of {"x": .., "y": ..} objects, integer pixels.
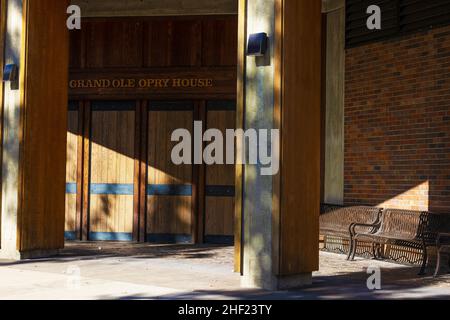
[
  {"x": 143, "y": 173},
  {"x": 137, "y": 170},
  {"x": 72, "y": 169},
  {"x": 219, "y": 42},
  {"x": 200, "y": 182},
  {"x": 113, "y": 43},
  {"x": 80, "y": 169},
  {"x": 86, "y": 170}
]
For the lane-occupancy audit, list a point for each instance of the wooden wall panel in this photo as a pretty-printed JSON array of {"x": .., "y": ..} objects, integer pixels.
[
  {"x": 44, "y": 126},
  {"x": 76, "y": 49},
  {"x": 169, "y": 206},
  {"x": 173, "y": 42},
  {"x": 114, "y": 43},
  {"x": 220, "y": 42},
  {"x": 219, "y": 207},
  {"x": 112, "y": 172},
  {"x": 155, "y": 42},
  {"x": 72, "y": 172}
]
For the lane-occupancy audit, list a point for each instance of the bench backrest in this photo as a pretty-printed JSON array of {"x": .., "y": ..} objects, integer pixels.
[
  {"x": 404, "y": 223},
  {"x": 340, "y": 218},
  {"x": 436, "y": 223}
]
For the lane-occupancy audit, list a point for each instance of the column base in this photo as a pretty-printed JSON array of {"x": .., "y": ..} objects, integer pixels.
[
  {"x": 278, "y": 283},
  {"x": 34, "y": 254}
]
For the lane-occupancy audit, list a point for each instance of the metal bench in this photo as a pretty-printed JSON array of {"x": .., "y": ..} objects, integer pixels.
[
  {"x": 335, "y": 221},
  {"x": 404, "y": 228},
  {"x": 442, "y": 244},
  {"x": 442, "y": 240}
]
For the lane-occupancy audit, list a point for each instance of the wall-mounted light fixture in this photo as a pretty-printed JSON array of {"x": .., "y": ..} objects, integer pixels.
[
  {"x": 10, "y": 73},
  {"x": 257, "y": 44}
]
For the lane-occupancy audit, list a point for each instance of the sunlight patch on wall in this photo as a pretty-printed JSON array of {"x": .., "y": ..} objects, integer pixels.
[{"x": 416, "y": 198}]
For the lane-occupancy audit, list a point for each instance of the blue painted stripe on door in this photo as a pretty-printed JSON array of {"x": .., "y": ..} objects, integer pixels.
[
  {"x": 169, "y": 190},
  {"x": 71, "y": 188},
  {"x": 110, "y": 236},
  {"x": 171, "y": 106},
  {"x": 221, "y": 105},
  {"x": 113, "y": 105},
  {"x": 224, "y": 240},
  {"x": 73, "y": 105},
  {"x": 220, "y": 191},
  {"x": 70, "y": 235},
  {"x": 112, "y": 189},
  {"x": 169, "y": 238}
]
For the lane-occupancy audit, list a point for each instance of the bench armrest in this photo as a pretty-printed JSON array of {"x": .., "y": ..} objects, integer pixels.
[{"x": 353, "y": 226}]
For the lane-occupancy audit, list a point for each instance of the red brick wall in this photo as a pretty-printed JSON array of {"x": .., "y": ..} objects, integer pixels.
[{"x": 397, "y": 122}]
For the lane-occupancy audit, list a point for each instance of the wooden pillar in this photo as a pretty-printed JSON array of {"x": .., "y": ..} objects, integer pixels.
[
  {"x": 334, "y": 90},
  {"x": 299, "y": 81},
  {"x": 34, "y": 148},
  {"x": 280, "y": 214}
]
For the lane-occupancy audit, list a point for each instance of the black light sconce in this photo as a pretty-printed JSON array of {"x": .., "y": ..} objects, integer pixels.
[
  {"x": 257, "y": 44},
  {"x": 10, "y": 73}
]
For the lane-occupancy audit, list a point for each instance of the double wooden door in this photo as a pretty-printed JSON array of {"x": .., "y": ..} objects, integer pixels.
[{"x": 122, "y": 184}]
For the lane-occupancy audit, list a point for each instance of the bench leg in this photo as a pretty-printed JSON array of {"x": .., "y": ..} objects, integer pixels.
[
  {"x": 449, "y": 263},
  {"x": 380, "y": 251},
  {"x": 351, "y": 248},
  {"x": 353, "y": 253},
  {"x": 425, "y": 261},
  {"x": 374, "y": 250},
  {"x": 438, "y": 263}
]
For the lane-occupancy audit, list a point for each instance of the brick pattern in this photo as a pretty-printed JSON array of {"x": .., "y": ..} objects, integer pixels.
[{"x": 397, "y": 122}]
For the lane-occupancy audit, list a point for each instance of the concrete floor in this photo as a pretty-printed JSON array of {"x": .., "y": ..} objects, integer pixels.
[{"x": 143, "y": 271}]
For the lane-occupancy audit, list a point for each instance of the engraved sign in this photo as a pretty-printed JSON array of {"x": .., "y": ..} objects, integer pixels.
[
  {"x": 153, "y": 83},
  {"x": 140, "y": 83}
]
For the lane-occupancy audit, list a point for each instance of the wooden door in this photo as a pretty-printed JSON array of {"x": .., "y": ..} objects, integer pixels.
[
  {"x": 169, "y": 190},
  {"x": 220, "y": 190},
  {"x": 111, "y": 188}
]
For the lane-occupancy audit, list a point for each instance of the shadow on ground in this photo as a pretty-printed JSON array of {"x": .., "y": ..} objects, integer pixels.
[
  {"x": 337, "y": 279},
  {"x": 76, "y": 251},
  {"x": 400, "y": 283}
]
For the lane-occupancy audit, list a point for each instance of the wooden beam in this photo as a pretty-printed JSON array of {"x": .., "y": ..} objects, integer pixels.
[
  {"x": 43, "y": 128},
  {"x": 300, "y": 136},
  {"x": 112, "y": 8},
  {"x": 240, "y": 111},
  {"x": 277, "y": 97}
]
